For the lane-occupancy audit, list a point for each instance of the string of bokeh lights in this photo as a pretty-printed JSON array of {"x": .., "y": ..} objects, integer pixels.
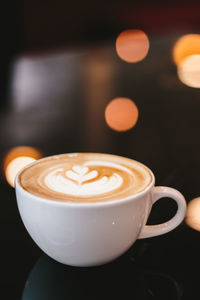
[
  {"x": 132, "y": 46},
  {"x": 121, "y": 114},
  {"x": 186, "y": 56}
]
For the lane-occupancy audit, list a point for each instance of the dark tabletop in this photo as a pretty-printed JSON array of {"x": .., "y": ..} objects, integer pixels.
[{"x": 55, "y": 102}]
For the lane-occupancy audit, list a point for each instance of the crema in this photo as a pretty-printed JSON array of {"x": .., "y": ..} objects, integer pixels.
[{"x": 85, "y": 177}]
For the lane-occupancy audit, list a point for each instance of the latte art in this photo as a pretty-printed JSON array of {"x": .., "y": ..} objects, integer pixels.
[
  {"x": 81, "y": 174},
  {"x": 85, "y": 177},
  {"x": 81, "y": 181}
]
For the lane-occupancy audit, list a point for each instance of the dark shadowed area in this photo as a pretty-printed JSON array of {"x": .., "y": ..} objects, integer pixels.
[{"x": 59, "y": 71}]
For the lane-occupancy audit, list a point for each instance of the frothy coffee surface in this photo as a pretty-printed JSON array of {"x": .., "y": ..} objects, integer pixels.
[{"x": 85, "y": 177}]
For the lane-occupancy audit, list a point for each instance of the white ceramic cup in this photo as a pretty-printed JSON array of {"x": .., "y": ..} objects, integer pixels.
[{"x": 88, "y": 234}]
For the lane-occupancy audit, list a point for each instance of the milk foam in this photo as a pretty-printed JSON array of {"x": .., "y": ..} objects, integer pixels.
[
  {"x": 85, "y": 177},
  {"x": 81, "y": 181}
]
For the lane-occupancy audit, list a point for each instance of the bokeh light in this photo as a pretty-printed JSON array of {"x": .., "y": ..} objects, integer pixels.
[
  {"x": 121, "y": 114},
  {"x": 193, "y": 214},
  {"x": 132, "y": 45},
  {"x": 189, "y": 71},
  {"x": 187, "y": 45},
  {"x": 16, "y": 159}
]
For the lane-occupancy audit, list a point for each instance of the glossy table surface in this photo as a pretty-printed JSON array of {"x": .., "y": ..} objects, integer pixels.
[{"x": 57, "y": 103}]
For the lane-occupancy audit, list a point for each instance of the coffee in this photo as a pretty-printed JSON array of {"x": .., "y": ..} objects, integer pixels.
[{"x": 85, "y": 177}]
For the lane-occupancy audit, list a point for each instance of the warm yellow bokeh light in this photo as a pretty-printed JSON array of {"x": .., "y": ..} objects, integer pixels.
[
  {"x": 132, "y": 45},
  {"x": 187, "y": 45},
  {"x": 189, "y": 71},
  {"x": 16, "y": 159},
  {"x": 193, "y": 214},
  {"x": 121, "y": 114},
  {"x": 15, "y": 166}
]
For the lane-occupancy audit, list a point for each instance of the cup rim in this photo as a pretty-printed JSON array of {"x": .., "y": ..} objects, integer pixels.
[{"x": 83, "y": 204}]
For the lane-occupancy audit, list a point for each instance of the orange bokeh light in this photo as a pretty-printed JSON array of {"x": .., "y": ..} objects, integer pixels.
[
  {"x": 132, "y": 45},
  {"x": 187, "y": 45},
  {"x": 189, "y": 71},
  {"x": 193, "y": 214},
  {"x": 16, "y": 159},
  {"x": 121, "y": 114}
]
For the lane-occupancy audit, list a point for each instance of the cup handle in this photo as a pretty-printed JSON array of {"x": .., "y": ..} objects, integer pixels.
[{"x": 158, "y": 193}]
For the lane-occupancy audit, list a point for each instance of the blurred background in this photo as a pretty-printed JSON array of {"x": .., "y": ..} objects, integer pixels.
[
  {"x": 60, "y": 68},
  {"x": 119, "y": 77}
]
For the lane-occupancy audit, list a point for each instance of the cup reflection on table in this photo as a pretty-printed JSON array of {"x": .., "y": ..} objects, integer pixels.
[{"x": 122, "y": 279}]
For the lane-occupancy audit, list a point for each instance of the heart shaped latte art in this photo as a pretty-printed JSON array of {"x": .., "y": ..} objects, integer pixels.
[
  {"x": 81, "y": 174},
  {"x": 82, "y": 181}
]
